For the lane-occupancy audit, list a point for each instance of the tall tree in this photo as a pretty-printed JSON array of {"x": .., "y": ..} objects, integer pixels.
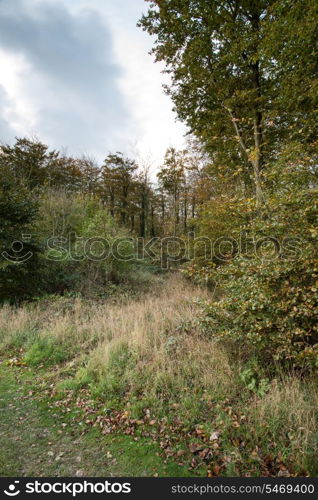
[
  {"x": 171, "y": 177},
  {"x": 118, "y": 181},
  {"x": 90, "y": 173},
  {"x": 226, "y": 73},
  {"x": 28, "y": 159},
  {"x": 143, "y": 196}
]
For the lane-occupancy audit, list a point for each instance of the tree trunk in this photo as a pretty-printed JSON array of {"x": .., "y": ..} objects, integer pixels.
[
  {"x": 185, "y": 213},
  {"x": 257, "y": 160}
]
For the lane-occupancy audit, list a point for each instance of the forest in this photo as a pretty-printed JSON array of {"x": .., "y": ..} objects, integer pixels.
[{"x": 173, "y": 314}]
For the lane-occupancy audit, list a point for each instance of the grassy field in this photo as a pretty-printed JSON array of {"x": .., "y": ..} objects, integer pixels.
[{"x": 139, "y": 387}]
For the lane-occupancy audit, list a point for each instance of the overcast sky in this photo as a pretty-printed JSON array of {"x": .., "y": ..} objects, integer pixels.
[{"x": 77, "y": 75}]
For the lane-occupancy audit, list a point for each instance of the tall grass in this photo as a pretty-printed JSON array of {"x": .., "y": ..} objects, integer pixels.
[{"x": 151, "y": 354}]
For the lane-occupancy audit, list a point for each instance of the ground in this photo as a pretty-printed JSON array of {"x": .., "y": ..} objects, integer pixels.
[{"x": 38, "y": 441}]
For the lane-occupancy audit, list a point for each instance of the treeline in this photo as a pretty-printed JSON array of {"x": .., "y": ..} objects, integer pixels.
[
  {"x": 145, "y": 207},
  {"x": 50, "y": 204}
]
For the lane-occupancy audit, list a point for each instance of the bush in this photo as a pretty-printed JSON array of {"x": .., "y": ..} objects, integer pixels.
[
  {"x": 269, "y": 303},
  {"x": 75, "y": 230},
  {"x": 19, "y": 258}
]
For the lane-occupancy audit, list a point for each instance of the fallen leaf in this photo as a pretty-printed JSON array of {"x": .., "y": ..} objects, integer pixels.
[{"x": 214, "y": 436}]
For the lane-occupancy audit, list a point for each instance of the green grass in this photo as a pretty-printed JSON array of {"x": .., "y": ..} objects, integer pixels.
[
  {"x": 47, "y": 352},
  {"x": 36, "y": 440}
]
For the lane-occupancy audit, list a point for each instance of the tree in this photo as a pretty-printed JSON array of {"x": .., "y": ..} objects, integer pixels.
[
  {"x": 227, "y": 76},
  {"x": 64, "y": 173},
  {"x": 118, "y": 174},
  {"x": 28, "y": 159},
  {"x": 90, "y": 173},
  {"x": 290, "y": 48},
  {"x": 19, "y": 263},
  {"x": 172, "y": 179},
  {"x": 143, "y": 195}
]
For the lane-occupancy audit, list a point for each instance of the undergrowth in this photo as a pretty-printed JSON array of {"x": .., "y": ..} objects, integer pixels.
[{"x": 150, "y": 360}]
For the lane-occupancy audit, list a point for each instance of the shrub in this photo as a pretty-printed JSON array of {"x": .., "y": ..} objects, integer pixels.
[
  {"x": 71, "y": 227},
  {"x": 269, "y": 302},
  {"x": 19, "y": 258}
]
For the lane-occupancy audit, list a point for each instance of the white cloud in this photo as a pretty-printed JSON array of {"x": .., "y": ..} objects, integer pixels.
[
  {"x": 142, "y": 81},
  {"x": 78, "y": 73},
  {"x": 17, "y": 111}
]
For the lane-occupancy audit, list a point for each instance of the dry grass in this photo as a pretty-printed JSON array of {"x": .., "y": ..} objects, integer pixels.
[
  {"x": 161, "y": 333},
  {"x": 159, "y": 328},
  {"x": 288, "y": 413},
  {"x": 151, "y": 353},
  {"x": 16, "y": 324}
]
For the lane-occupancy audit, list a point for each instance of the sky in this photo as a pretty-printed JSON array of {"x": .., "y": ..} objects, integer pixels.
[{"x": 77, "y": 75}]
